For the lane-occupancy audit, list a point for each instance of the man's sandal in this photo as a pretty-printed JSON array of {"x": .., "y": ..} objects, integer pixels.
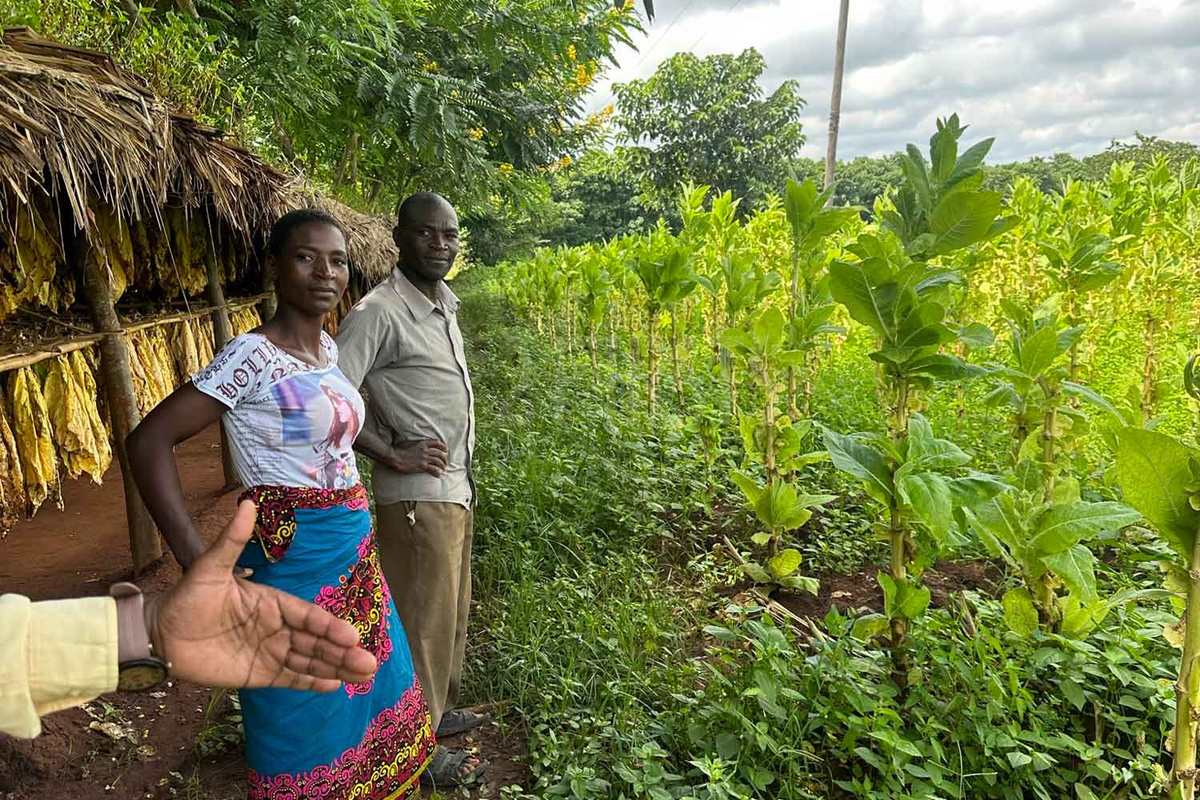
[
  {"x": 449, "y": 770},
  {"x": 459, "y": 720}
]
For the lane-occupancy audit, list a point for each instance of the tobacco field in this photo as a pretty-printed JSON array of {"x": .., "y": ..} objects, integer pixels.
[{"x": 734, "y": 467}]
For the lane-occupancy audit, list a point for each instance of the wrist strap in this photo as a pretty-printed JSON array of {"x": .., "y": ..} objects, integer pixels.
[{"x": 133, "y": 640}]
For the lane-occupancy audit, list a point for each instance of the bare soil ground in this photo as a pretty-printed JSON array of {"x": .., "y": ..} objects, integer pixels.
[{"x": 861, "y": 589}]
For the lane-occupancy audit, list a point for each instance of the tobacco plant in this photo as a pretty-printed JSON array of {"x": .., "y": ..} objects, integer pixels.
[
  {"x": 596, "y": 285},
  {"x": 664, "y": 268},
  {"x": 779, "y": 505},
  {"x": 895, "y": 287},
  {"x": 1160, "y": 477},
  {"x": 810, "y": 307}
]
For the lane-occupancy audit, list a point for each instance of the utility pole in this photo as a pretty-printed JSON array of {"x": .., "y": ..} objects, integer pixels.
[{"x": 835, "y": 104}]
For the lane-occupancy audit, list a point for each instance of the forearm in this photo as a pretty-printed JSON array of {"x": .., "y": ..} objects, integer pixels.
[
  {"x": 57, "y": 654},
  {"x": 374, "y": 447},
  {"x": 157, "y": 478}
]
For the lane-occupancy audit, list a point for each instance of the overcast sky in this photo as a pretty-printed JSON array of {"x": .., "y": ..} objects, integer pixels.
[{"x": 1042, "y": 76}]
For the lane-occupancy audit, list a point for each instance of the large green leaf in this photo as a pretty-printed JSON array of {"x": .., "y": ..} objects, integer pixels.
[
  {"x": 748, "y": 485},
  {"x": 869, "y": 626},
  {"x": 1000, "y": 526},
  {"x": 737, "y": 341},
  {"x": 781, "y": 508},
  {"x": 861, "y": 461},
  {"x": 790, "y": 358},
  {"x": 867, "y": 304},
  {"x": 784, "y": 563},
  {"x": 1039, "y": 350},
  {"x": 902, "y": 598},
  {"x": 962, "y": 219},
  {"x": 1059, "y": 527},
  {"x": 927, "y": 452},
  {"x": 767, "y": 330},
  {"x": 945, "y": 367},
  {"x": 829, "y": 221},
  {"x": 928, "y": 495},
  {"x": 800, "y": 203},
  {"x": 1096, "y": 399},
  {"x": 937, "y": 279},
  {"x": 976, "y": 336},
  {"x": 970, "y": 161},
  {"x": 971, "y": 490},
  {"x": 1019, "y": 611},
  {"x": 943, "y": 153},
  {"x": 1075, "y": 567},
  {"x": 916, "y": 174},
  {"x": 1152, "y": 469}
]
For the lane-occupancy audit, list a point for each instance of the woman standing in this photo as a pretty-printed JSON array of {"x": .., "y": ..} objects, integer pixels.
[{"x": 291, "y": 418}]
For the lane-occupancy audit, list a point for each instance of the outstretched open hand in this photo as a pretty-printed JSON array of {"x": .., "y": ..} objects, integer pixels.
[{"x": 218, "y": 630}]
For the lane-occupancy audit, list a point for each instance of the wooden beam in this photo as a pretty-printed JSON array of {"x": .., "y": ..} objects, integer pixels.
[
  {"x": 123, "y": 412},
  {"x": 29, "y": 358},
  {"x": 59, "y": 347},
  {"x": 835, "y": 102}
]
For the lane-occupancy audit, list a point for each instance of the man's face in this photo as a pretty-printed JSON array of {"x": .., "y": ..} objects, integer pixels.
[{"x": 428, "y": 240}]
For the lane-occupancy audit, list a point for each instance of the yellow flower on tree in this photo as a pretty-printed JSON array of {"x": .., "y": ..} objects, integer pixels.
[
  {"x": 475, "y": 133},
  {"x": 584, "y": 74},
  {"x": 505, "y": 168}
]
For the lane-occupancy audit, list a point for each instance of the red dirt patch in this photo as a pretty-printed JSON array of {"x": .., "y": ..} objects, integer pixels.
[{"x": 861, "y": 589}]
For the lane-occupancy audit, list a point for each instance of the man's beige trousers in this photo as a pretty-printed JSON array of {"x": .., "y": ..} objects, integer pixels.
[{"x": 425, "y": 549}]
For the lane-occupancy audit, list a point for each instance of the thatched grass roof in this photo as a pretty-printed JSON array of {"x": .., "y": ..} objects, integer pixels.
[
  {"x": 74, "y": 124},
  {"x": 72, "y": 117},
  {"x": 371, "y": 247}
]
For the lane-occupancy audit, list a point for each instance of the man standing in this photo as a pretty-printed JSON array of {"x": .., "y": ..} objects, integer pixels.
[{"x": 403, "y": 342}]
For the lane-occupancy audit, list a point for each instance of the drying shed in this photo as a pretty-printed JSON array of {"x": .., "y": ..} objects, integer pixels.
[{"x": 130, "y": 239}]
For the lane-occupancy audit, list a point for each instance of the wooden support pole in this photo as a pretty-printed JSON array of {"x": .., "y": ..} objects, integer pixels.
[
  {"x": 268, "y": 305},
  {"x": 222, "y": 333},
  {"x": 123, "y": 412},
  {"x": 222, "y": 328}
]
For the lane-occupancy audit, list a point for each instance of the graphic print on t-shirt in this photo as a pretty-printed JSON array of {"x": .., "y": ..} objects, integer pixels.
[
  {"x": 312, "y": 410},
  {"x": 288, "y": 422}
]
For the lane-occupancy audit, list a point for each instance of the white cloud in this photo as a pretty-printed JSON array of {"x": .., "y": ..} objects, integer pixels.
[{"x": 1041, "y": 76}]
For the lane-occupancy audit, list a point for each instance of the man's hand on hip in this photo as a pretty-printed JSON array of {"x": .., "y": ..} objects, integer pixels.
[{"x": 425, "y": 455}]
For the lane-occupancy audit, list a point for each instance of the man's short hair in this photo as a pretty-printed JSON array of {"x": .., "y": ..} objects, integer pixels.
[{"x": 415, "y": 201}]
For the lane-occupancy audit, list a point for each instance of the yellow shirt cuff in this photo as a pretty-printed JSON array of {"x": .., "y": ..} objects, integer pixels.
[{"x": 58, "y": 654}]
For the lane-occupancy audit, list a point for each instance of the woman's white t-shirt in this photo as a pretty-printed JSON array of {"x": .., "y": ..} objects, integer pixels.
[{"x": 288, "y": 422}]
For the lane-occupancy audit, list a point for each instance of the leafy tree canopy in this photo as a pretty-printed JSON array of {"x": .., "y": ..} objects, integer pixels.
[
  {"x": 708, "y": 121},
  {"x": 374, "y": 98},
  {"x": 861, "y": 180},
  {"x": 599, "y": 197}
]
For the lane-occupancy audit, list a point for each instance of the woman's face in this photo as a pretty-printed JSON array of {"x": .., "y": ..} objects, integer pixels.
[{"x": 312, "y": 271}]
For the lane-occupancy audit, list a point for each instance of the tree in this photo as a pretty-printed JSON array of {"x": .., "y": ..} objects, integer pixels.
[
  {"x": 373, "y": 99},
  {"x": 708, "y": 121},
  {"x": 1142, "y": 151},
  {"x": 598, "y": 195},
  {"x": 862, "y": 180}
]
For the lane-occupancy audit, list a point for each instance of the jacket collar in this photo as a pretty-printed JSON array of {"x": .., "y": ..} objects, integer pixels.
[{"x": 418, "y": 304}]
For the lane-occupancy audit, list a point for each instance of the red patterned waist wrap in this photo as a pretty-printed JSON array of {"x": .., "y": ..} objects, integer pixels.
[{"x": 276, "y": 525}]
